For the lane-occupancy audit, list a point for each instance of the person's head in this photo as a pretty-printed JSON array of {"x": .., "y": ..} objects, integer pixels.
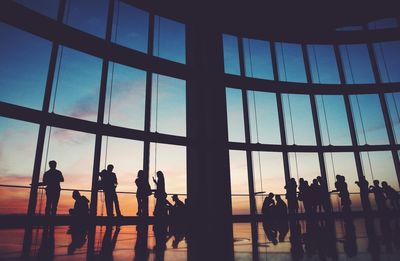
[
  {"x": 384, "y": 184},
  {"x": 52, "y": 164},
  {"x": 140, "y": 174},
  {"x": 338, "y": 177},
  {"x": 301, "y": 180},
  {"x": 76, "y": 194},
  {"x": 175, "y": 197},
  {"x": 110, "y": 167},
  {"x": 315, "y": 181},
  {"x": 319, "y": 178},
  {"x": 376, "y": 182},
  {"x": 271, "y": 195},
  {"x": 160, "y": 175}
]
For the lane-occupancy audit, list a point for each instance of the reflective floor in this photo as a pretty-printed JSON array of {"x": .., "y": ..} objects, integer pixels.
[{"x": 356, "y": 239}]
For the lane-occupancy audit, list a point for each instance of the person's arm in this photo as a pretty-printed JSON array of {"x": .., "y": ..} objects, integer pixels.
[{"x": 61, "y": 177}]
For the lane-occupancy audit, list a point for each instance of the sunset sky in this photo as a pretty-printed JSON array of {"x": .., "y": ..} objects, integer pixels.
[{"x": 24, "y": 61}]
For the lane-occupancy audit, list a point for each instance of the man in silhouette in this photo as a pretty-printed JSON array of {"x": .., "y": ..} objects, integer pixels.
[
  {"x": 52, "y": 179},
  {"x": 364, "y": 193},
  {"x": 81, "y": 206},
  {"x": 380, "y": 198},
  {"x": 392, "y": 195},
  {"x": 177, "y": 210},
  {"x": 109, "y": 183}
]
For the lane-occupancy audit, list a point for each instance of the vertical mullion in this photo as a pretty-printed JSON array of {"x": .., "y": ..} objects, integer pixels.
[
  {"x": 385, "y": 111},
  {"x": 250, "y": 171},
  {"x": 45, "y": 108},
  {"x": 314, "y": 111},
  {"x": 100, "y": 115},
  {"x": 280, "y": 115},
  {"x": 147, "y": 117}
]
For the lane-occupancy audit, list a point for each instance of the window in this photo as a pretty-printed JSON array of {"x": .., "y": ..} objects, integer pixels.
[
  {"x": 393, "y": 104},
  {"x": 231, "y": 54},
  {"x": 257, "y": 59},
  {"x": 289, "y": 58},
  {"x": 239, "y": 182},
  {"x": 23, "y": 67},
  {"x": 323, "y": 64},
  {"x": 125, "y": 100},
  {"x": 130, "y": 26},
  {"x": 388, "y": 59},
  {"x": 169, "y": 40},
  {"x": 168, "y": 105},
  {"x": 383, "y": 24},
  {"x": 76, "y": 85},
  {"x": 356, "y": 64},
  {"x": 263, "y": 116},
  {"x": 234, "y": 103},
  {"x": 44, "y": 7}
]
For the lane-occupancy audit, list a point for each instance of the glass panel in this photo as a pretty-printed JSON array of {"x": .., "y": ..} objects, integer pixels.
[
  {"x": 169, "y": 40},
  {"x": 234, "y": 103},
  {"x": 383, "y": 24},
  {"x": 125, "y": 100},
  {"x": 350, "y": 28},
  {"x": 44, "y": 7},
  {"x": 289, "y": 58},
  {"x": 393, "y": 104},
  {"x": 356, "y": 64},
  {"x": 231, "y": 54},
  {"x": 368, "y": 119},
  {"x": 76, "y": 85},
  {"x": 263, "y": 116},
  {"x": 257, "y": 59},
  {"x": 130, "y": 26},
  {"x": 388, "y": 59},
  {"x": 239, "y": 182},
  {"x": 127, "y": 158},
  {"x": 23, "y": 67},
  {"x": 17, "y": 155},
  {"x": 323, "y": 64},
  {"x": 73, "y": 151},
  {"x": 304, "y": 165},
  {"x": 269, "y": 175},
  {"x": 379, "y": 165},
  {"x": 333, "y": 122},
  {"x": 89, "y": 16},
  {"x": 298, "y": 119},
  {"x": 168, "y": 105}
]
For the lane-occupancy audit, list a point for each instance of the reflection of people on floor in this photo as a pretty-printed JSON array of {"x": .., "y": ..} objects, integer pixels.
[
  {"x": 320, "y": 239},
  {"x": 349, "y": 240},
  {"x": 160, "y": 209},
  {"x": 46, "y": 249},
  {"x": 81, "y": 206},
  {"x": 141, "y": 250},
  {"x": 52, "y": 179},
  {"x": 161, "y": 235},
  {"x": 109, "y": 242},
  {"x": 363, "y": 184},
  {"x": 373, "y": 242},
  {"x": 109, "y": 183},
  {"x": 78, "y": 237},
  {"x": 142, "y": 193},
  {"x": 296, "y": 246}
]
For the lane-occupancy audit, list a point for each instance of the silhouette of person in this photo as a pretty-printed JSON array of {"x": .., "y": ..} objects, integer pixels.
[
  {"x": 305, "y": 195},
  {"x": 379, "y": 196},
  {"x": 78, "y": 234},
  {"x": 161, "y": 237},
  {"x": 81, "y": 206},
  {"x": 291, "y": 196},
  {"x": 177, "y": 210},
  {"x": 109, "y": 183},
  {"x": 363, "y": 184},
  {"x": 325, "y": 196},
  {"x": 316, "y": 196},
  {"x": 349, "y": 240},
  {"x": 47, "y": 245},
  {"x": 267, "y": 209},
  {"x": 280, "y": 208},
  {"x": 392, "y": 195},
  {"x": 52, "y": 179},
  {"x": 341, "y": 187},
  {"x": 109, "y": 242},
  {"x": 160, "y": 209},
  {"x": 142, "y": 193},
  {"x": 296, "y": 246}
]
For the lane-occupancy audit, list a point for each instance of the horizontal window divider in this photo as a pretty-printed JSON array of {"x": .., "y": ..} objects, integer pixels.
[
  {"x": 65, "y": 122},
  {"x": 47, "y": 28},
  {"x": 247, "y": 83},
  {"x": 310, "y": 148}
]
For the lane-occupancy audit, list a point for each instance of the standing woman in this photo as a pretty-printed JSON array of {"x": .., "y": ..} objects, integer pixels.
[
  {"x": 142, "y": 193},
  {"x": 160, "y": 209}
]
